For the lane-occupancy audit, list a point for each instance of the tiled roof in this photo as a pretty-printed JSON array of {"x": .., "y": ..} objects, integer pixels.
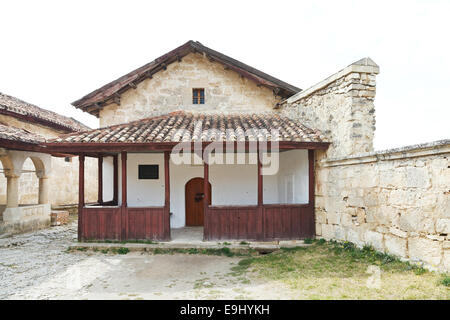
[
  {"x": 19, "y": 135},
  {"x": 97, "y": 99},
  {"x": 182, "y": 126},
  {"x": 18, "y": 107}
]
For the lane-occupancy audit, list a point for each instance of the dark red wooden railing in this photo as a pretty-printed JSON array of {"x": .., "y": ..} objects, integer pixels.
[
  {"x": 263, "y": 223},
  {"x": 114, "y": 223}
]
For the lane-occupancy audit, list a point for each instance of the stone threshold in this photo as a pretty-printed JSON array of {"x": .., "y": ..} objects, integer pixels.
[{"x": 234, "y": 246}]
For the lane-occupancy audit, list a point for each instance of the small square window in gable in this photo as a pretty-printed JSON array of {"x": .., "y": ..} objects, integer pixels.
[{"x": 198, "y": 96}]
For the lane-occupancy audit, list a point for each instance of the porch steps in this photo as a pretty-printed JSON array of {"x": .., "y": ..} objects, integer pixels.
[{"x": 233, "y": 246}]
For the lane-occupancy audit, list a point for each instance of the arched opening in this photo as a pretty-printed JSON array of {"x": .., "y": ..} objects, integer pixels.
[{"x": 29, "y": 181}]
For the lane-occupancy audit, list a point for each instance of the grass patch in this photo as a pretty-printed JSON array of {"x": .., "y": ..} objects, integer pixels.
[
  {"x": 120, "y": 250},
  {"x": 244, "y": 243},
  {"x": 340, "y": 270},
  {"x": 445, "y": 281},
  {"x": 122, "y": 242},
  {"x": 208, "y": 251}
]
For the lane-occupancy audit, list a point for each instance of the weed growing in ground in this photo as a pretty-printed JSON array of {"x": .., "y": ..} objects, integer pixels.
[
  {"x": 120, "y": 250},
  {"x": 445, "y": 280}
]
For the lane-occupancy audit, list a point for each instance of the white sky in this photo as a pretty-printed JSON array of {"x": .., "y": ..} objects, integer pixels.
[{"x": 54, "y": 52}]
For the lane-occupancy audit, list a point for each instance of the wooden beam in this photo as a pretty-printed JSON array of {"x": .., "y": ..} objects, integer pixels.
[
  {"x": 80, "y": 196},
  {"x": 93, "y": 107},
  {"x": 132, "y": 85},
  {"x": 116, "y": 179},
  {"x": 100, "y": 180},
  {"x": 97, "y": 148},
  {"x": 116, "y": 99}
]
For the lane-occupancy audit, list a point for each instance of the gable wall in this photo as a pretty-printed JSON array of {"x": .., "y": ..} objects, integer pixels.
[{"x": 171, "y": 90}]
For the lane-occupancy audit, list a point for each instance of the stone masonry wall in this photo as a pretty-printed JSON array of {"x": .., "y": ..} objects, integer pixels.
[
  {"x": 397, "y": 200},
  {"x": 342, "y": 107},
  {"x": 170, "y": 90}
]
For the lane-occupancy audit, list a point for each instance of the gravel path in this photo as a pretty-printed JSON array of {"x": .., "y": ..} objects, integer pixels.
[
  {"x": 37, "y": 266},
  {"x": 29, "y": 259}
]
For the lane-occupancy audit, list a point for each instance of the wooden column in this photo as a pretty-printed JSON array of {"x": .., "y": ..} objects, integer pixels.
[
  {"x": 205, "y": 198},
  {"x": 167, "y": 194},
  {"x": 312, "y": 220},
  {"x": 116, "y": 179},
  {"x": 124, "y": 213},
  {"x": 260, "y": 196},
  {"x": 260, "y": 181},
  {"x": 80, "y": 196},
  {"x": 311, "y": 177},
  {"x": 100, "y": 180}
]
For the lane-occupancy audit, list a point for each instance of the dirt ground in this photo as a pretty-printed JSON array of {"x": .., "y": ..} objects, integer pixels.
[{"x": 38, "y": 266}]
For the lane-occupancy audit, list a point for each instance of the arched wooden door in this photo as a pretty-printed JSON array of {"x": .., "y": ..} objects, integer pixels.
[{"x": 195, "y": 201}]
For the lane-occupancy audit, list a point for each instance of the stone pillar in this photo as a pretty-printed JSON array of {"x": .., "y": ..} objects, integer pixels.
[
  {"x": 341, "y": 107},
  {"x": 44, "y": 190},
  {"x": 12, "y": 192}
]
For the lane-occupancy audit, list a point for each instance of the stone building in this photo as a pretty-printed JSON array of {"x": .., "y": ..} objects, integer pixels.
[
  {"x": 33, "y": 180},
  {"x": 328, "y": 182}
]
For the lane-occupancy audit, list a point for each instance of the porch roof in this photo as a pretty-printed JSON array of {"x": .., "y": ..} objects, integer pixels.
[
  {"x": 182, "y": 126},
  {"x": 19, "y": 139}
]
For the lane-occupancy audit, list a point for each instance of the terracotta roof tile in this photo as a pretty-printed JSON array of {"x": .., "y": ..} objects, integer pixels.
[
  {"x": 16, "y": 106},
  {"x": 190, "y": 127},
  {"x": 19, "y": 135}
]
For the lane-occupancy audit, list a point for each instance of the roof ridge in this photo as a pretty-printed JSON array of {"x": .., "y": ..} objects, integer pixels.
[
  {"x": 18, "y": 106},
  {"x": 95, "y": 100}
]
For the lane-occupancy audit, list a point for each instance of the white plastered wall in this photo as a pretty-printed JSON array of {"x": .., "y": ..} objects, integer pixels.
[
  {"x": 108, "y": 179},
  {"x": 231, "y": 184}
]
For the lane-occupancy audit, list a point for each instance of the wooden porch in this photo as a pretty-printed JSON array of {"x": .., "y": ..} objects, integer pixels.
[{"x": 261, "y": 222}]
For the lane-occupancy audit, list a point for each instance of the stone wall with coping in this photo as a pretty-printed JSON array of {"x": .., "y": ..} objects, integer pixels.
[
  {"x": 341, "y": 106},
  {"x": 397, "y": 200},
  {"x": 170, "y": 90}
]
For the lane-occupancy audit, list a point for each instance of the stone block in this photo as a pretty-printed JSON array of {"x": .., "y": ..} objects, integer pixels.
[
  {"x": 410, "y": 220},
  {"x": 398, "y": 233},
  {"x": 446, "y": 260},
  {"x": 425, "y": 250},
  {"x": 375, "y": 239},
  {"x": 327, "y": 231},
  {"x": 443, "y": 226},
  {"x": 417, "y": 177},
  {"x": 339, "y": 233},
  {"x": 59, "y": 218},
  {"x": 318, "y": 229},
  {"x": 395, "y": 245}
]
